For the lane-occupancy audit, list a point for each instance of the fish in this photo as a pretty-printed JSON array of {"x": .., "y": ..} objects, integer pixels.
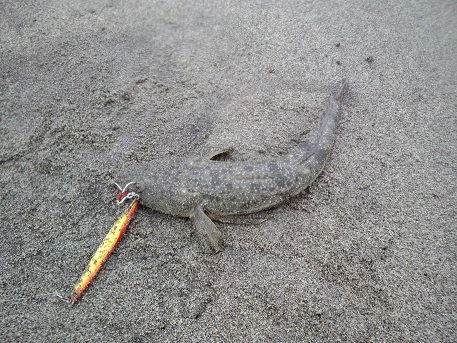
[{"x": 205, "y": 188}]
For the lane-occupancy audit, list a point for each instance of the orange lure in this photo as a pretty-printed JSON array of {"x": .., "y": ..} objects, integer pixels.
[{"x": 104, "y": 251}]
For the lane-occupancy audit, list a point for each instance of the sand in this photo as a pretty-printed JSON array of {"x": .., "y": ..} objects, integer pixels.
[{"x": 367, "y": 254}]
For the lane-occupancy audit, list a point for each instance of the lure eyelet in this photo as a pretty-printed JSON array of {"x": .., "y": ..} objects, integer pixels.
[{"x": 123, "y": 195}]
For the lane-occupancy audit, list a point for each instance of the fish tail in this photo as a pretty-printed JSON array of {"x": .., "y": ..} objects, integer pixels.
[
  {"x": 330, "y": 111},
  {"x": 316, "y": 148},
  {"x": 342, "y": 87}
]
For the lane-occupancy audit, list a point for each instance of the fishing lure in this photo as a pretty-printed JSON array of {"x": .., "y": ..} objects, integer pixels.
[{"x": 105, "y": 249}]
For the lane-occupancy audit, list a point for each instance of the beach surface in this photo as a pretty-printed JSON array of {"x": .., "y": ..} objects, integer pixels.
[{"x": 367, "y": 254}]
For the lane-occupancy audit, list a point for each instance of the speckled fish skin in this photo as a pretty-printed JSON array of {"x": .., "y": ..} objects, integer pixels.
[{"x": 197, "y": 187}]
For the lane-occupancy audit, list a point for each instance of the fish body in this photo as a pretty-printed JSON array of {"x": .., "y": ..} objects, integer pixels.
[{"x": 201, "y": 188}]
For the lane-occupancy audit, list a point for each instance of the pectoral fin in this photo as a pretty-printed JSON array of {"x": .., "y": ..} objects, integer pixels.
[{"x": 207, "y": 231}]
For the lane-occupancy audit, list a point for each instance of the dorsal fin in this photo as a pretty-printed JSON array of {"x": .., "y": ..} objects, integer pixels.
[{"x": 219, "y": 155}]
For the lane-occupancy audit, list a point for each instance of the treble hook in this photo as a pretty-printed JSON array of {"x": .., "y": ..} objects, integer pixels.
[{"x": 124, "y": 195}]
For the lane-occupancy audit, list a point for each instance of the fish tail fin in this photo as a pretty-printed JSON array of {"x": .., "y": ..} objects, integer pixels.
[
  {"x": 320, "y": 140},
  {"x": 342, "y": 87}
]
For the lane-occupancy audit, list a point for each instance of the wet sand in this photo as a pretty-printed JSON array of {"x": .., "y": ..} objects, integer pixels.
[{"x": 368, "y": 253}]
